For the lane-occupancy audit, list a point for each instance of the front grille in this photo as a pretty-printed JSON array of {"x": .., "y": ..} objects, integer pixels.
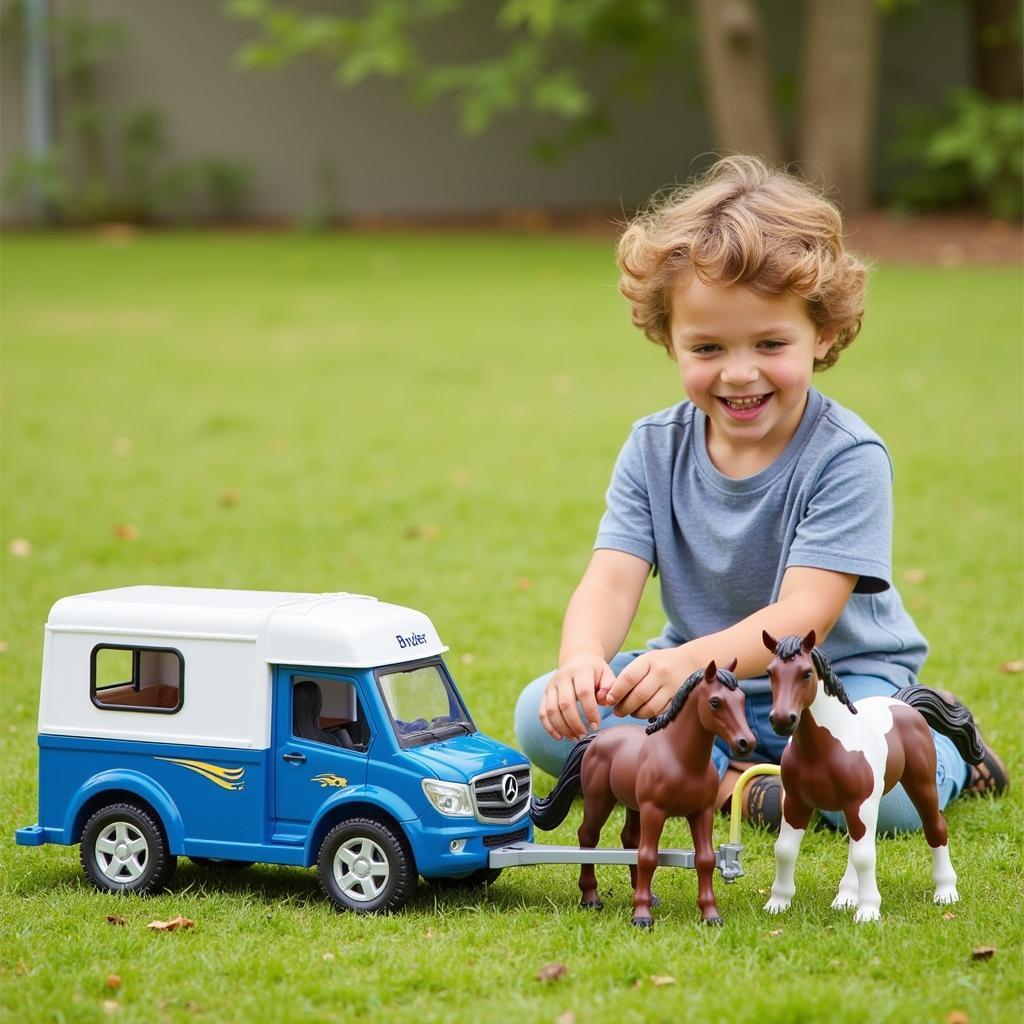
[
  {"x": 489, "y": 795},
  {"x": 506, "y": 837}
]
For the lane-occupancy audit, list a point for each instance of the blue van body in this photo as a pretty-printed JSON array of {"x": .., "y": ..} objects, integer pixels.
[{"x": 253, "y": 805}]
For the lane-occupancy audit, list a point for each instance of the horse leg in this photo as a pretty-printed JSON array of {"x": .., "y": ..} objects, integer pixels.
[
  {"x": 846, "y": 898},
  {"x": 861, "y": 823},
  {"x": 652, "y": 822},
  {"x": 701, "y": 826},
  {"x": 919, "y": 782},
  {"x": 597, "y": 806},
  {"x": 795, "y": 816},
  {"x": 630, "y": 836}
]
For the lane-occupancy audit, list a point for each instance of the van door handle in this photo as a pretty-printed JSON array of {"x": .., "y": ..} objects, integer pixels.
[{"x": 294, "y": 758}]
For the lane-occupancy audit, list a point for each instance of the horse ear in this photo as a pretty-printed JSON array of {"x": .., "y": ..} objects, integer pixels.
[
  {"x": 710, "y": 672},
  {"x": 769, "y": 641},
  {"x": 809, "y": 642},
  {"x": 731, "y": 667}
]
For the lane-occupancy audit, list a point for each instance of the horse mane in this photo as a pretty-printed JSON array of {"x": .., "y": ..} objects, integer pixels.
[
  {"x": 790, "y": 646},
  {"x": 724, "y": 676}
]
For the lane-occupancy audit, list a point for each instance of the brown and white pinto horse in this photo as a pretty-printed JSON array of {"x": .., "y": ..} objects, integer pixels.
[
  {"x": 659, "y": 772},
  {"x": 844, "y": 756}
]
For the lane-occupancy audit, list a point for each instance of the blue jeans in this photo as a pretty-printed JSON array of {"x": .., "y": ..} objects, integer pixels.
[{"x": 895, "y": 814}]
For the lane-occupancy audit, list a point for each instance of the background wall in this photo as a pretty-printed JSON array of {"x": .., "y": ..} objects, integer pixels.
[{"x": 390, "y": 158}]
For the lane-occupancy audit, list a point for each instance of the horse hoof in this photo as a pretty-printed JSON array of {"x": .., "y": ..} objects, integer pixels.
[
  {"x": 715, "y": 920},
  {"x": 865, "y": 914},
  {"x": 594, "y": 904},
  {"x": 643, "y": 922},
  {"x": 843, "y": 902},
  {"x": 946, "y": 896}
]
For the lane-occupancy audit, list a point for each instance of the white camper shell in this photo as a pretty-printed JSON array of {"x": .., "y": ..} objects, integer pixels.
[{"x": 229, "y": 639}]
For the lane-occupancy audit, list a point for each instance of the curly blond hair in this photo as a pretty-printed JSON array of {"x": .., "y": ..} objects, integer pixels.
[{"x": 742, "y": 222}]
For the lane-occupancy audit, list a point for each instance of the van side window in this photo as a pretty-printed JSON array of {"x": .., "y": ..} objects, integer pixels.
[
  {"x": 327, "y": 711},
  {"x": 137, "y": 679}
]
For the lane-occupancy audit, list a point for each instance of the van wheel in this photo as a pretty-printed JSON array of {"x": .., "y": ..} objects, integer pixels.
[
  {"x": 475, "y": 880},
  {"x": 217, "y": 864},
  {"x": 366, "y": 867},
  {"x": 124, "y": 849}
]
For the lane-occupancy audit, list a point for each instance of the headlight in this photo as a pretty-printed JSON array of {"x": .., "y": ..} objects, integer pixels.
[{"x": 451, "y": 798}]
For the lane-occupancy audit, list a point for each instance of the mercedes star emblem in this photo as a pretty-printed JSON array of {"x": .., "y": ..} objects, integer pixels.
[{"x": 509, "y": 788}]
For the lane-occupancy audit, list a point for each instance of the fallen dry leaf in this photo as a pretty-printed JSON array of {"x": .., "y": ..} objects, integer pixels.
[
  {"x": 228, "y": 498},
  {"x": 468, "y": 659},
  {"x": 172, "y": 925},
  {"x": 957, "y": 1017},
  {"x": 551, "y": 972},
  {"x": 427, "y": 532},
  {"x": 567, "y": 1017},
  {"x": 122, "y": 446},
  {"x": 1012, "y": 667},
  {"x": 524, "y": 583},
  {"x": 915, "y": 575},
  {"x": 328, "y": 956},
  {"x": 192, "y": 1006},
  {"x": 761, "y": 892},
  {"x": 20, "y": 547},
  {"x": 948, "y": 915},
  {"x": 114, "y": 919},
  {"x": 462, "y": 478},
  {"x": 983, "y": 952},
  {"x": 113, "y": 981},
  {"x": 22, "y": 968},
  {"x": 111, "y": 1006},
  {"x": 775, "y": 931},
  {"x": 639, "y": 983},
  {"x": 3, "y": 646},
  {"x": 125, "y": 531},
  {"x": 662, "y": 979},
  {"x": 429, "y": 933}
]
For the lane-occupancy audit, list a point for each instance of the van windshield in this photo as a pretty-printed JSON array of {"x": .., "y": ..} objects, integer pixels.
[{"x": 423, "y": 704}]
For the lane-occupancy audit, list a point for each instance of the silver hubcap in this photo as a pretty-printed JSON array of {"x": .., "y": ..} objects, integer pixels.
[
  {"x": 361, "y": 869},
  {"x": 121, "y": 852}
]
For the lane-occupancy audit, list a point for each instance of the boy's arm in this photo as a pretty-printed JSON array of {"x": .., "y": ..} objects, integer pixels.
[
  {"x": 809, "y": 598},
  {"x": 597, "y": 619}
]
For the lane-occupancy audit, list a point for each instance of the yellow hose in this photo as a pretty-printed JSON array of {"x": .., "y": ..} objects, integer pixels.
[{"x": 736, "y": 810}]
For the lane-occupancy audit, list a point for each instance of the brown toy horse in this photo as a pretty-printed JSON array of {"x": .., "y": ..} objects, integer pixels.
[
  {"x": 843, "y": 756},
  {"x": 659, "y": 772}
]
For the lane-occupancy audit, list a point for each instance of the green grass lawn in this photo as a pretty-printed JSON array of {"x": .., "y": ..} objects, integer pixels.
[{"x": 433, "y": 420}]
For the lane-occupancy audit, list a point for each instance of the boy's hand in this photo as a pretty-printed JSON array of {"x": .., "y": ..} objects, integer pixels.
[
  {"x": 577, "y": 680},
  {"x": 646, "y": 685}
]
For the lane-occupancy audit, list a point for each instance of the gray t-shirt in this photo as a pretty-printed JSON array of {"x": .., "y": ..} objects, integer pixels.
[{"x": 721, "y": 545}]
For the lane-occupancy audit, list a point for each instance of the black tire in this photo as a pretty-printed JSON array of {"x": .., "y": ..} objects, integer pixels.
[
  {"x": 124, "y": 849},
  {"x": 477, "y": 880},
  {"x": 366, "y": 867},
  {"x": 217, "y": 864}
]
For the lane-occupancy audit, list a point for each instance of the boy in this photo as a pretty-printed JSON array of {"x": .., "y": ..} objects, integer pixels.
[{"x": 762, "y": 504}]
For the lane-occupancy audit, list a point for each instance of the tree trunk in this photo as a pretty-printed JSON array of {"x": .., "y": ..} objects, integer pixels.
[
  {"x": 837, "y": 97},
  {"x": 997, "y": 54},
  {"x": 736, "y": 77}
]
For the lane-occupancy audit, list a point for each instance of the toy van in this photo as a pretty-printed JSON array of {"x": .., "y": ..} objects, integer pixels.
[{"x": 285, "y": 728}]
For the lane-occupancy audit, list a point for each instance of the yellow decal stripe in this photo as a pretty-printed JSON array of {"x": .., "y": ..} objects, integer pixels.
[{"x": 226, "y": 778}]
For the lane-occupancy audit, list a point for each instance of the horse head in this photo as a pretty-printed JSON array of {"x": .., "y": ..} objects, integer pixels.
[
  {"x": 721, "y": 708},
  {"x": 794, "y": 680}
]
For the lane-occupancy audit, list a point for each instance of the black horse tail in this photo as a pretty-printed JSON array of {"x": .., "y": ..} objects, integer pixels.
[
  {"x": 549, "y": 812},
  {"x": 952, "y": 720}
]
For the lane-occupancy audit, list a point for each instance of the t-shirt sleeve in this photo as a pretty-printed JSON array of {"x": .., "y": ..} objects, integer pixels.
[
  {"x": 626, "y": 524},
  {"x": 847, "y": 526}
]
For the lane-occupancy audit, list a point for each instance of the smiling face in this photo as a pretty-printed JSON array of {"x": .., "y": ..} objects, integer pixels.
[{"x": 746, "y": 360}]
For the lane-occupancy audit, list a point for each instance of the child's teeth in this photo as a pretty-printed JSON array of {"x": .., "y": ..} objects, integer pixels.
[{"x": 743, "y": 403}]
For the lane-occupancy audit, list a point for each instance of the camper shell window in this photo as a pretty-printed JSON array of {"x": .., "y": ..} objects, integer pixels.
[{"x": 150, "y": 679}]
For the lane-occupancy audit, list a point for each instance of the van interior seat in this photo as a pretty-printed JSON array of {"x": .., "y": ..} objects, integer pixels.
[{"x": 307, "y": 703}]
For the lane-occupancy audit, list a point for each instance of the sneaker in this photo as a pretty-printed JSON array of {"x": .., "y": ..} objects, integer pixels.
[
  {"x": 990, "y": 776},
  {"x": 762, "y": 803}
]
